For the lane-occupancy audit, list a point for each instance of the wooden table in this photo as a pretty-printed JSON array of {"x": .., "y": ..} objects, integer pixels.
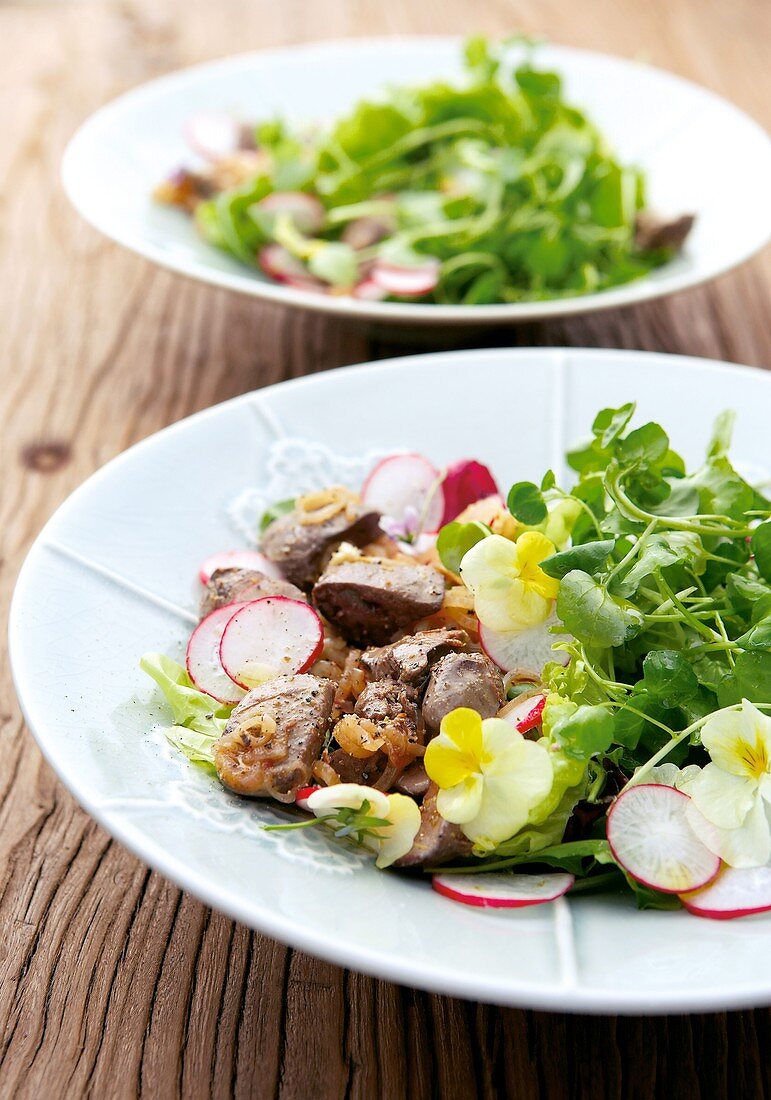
[{"x": 112, "y": 982}]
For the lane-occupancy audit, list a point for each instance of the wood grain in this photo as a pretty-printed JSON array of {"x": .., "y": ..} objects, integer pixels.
[{"x": 112, "y": 982}]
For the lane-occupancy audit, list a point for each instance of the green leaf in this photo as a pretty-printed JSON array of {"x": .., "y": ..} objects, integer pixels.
[
  {"x": 645, "y": 444},
  {"x": 199, "y": 720},
  {"x": 722, "y": 491},
  {"x": 526, "y": 503},
  {"x": 570, "y": 856},
  {"x": 758, "y": 636},
  {"x": 610, "y": 423},
  {"x": 336, "y": 263},
  {"x": 456, "y": 539},
  {"x": 659, "y": 552},
  {"x": 535, "y": 83},
  {"x": 753, "y": 675},
  {"x": 652, "y": 899},
  {"x": 548, "y": 481},
  {"x": 581, "y": 732},
  {"x": 750, "y": 679},
  {"x": 743, "y": 592},
  {"x": 274, "y": 512},
  {"x": 762, "y": 608},
  {"x": 197, "y": 747},
  {"x": 761, "y": 548},
  {"x": 589, "y": 557},
  {"x": 189, "y": 706},
  {"x": 370, "y": 130},
  {"x": 721, "y": 433},
  {"x": 669, "y": 678},
  {"x": 592, "y": 615},
  {"x": 628, "y": 725}
]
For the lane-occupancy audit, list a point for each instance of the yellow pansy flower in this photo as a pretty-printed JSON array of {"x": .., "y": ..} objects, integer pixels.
[
  {"x": 489, "y": 776},
  {"x": 511, "y": 591},
  {"x": 389, "y": 841},
  {"x": 731, "y": 796}
]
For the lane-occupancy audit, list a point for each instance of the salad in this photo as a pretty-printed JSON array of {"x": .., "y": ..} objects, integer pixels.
[
  {"x": 491, "y": 190},
  {"x": 563, "y": 688}
]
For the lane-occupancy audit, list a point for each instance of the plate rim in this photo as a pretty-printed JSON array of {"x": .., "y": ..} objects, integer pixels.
[
  {"x": 637, "y": 291},
  {"x": 377, "y": 962}
]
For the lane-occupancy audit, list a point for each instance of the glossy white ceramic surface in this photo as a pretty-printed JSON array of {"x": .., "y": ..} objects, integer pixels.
[{"x": 113, "y": 575}]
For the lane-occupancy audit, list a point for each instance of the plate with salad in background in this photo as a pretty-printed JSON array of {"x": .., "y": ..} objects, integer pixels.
[
  {"x": 428, "y": 180},
  {"x": 478, "y": 705}
]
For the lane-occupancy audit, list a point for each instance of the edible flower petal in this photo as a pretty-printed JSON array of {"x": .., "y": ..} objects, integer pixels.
[
  {"x": 730, "y": 797},
  {"x": 511, "y": 591},
  {"x": 489, "y": 776}
]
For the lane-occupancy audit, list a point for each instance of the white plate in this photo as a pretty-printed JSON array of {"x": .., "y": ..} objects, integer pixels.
[
  {"x": 700, "y": 155},
  {"x": 113, "y": 575}
]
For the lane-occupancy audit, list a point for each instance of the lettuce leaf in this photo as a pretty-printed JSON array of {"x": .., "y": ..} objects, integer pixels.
[{"x": 198, "y": 720}]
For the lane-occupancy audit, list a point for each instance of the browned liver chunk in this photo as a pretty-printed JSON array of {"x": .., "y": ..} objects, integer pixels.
[
  {"x": 437, "y": 841},
  {"x": 274, "y": 736},
  {"x": 301, "y": 549},
  {"x": 352, "y": 769},
  {"x": 410, "y": 659},
  {"x": 387, "y": 701},
  {"x": 234, "y": 585},
  {"x": 369, "y": 599},
  {"x": 653, "y": 232},
  {"x": 462, "y": 680},
  {"x": 413, "y": 781}
]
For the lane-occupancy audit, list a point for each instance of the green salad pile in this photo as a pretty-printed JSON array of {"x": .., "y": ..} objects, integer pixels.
[
  {"x": 665, "y": 597},
  {"x": 492, "y": 190}
]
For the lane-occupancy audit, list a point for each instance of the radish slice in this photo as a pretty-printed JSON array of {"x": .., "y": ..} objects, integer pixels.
[
  {"x": 736, "y": 892},
  {"x": 279, "y": 263},
  {"x": 524, "y": 653},
  {"x": 406, "y": 282},
  {"x": 238, "y": 559},
  {"x": 307, "y": 283},
  {"x": 302, "y": 796},
  {"x": 203, "y": 656},
  {"x": 306, "y": 212},
  {"x": 465, "y": 483},
  {"x": 651, "y": 839},
  {"x": 213, "y": 136},
  {"x": 503, "y": 890},
  {"x": 365, "y": 232},
  {"x": 524, "y": 714},
  {"x": 406, "y": 481},
  {"x": 270, "y": 637},
  {"x": 369, "y": 291}
]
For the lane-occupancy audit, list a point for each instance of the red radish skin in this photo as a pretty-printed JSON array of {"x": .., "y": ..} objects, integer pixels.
[
  {"x": 276, "y": 632},
  {"x": 238, "y": 559},
  {"x": 406, "y": 282},
  {"x": 306, "y": 212},
  {"x": 465, "y": 483},
  {"x": 650, "y": 838},
  {"x": 202, "y": 659},
  {"x": 503, "y": 890},
  {"x": 279, "y": 263},
  {"x": 525, "y": 652},
  {"x": 404, "y": 481},
  {"x": 735, "y": 892},
  {"x": 213, "y": 136},
  {"x": 524, "y": 714},
  {"x": 369, "y": 291},
  {"x": 308, "y": 285},
  {"x": 302, "y": 796}
]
